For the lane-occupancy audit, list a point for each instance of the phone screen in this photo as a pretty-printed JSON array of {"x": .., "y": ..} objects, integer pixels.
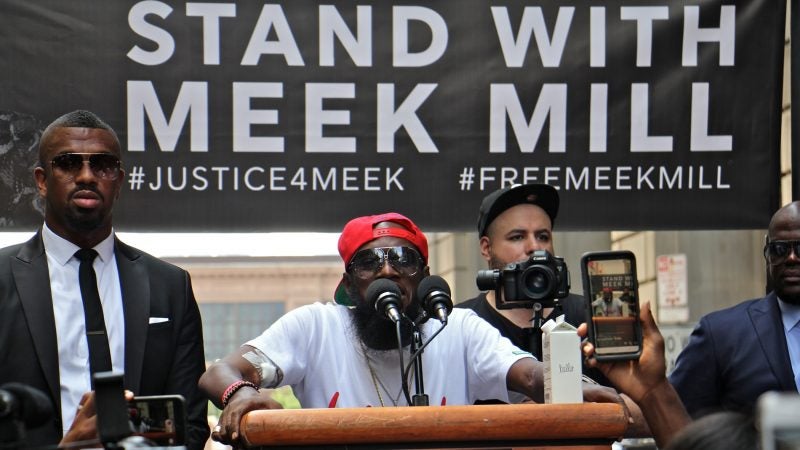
[
  {"x": 787, "y": 439},
  {"x": 160, "y": 418},
  {"x": 611, "y": 292}
]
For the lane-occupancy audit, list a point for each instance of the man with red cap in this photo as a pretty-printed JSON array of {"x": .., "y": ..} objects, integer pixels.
[{"x": 346, "y": 353}]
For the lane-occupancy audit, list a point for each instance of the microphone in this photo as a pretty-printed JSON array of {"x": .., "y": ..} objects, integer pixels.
[
  {"x": 385, "y": 295},
  {"x": 435, "y": 294},
  {"x": 28, "y": 404}
]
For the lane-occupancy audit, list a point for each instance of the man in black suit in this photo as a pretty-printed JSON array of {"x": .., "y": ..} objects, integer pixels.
[
  {"x": 150, "y": 317},
  {"x": 737, "y": 354}
]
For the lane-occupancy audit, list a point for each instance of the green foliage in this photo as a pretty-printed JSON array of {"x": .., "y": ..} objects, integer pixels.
[{"x": 285, "y": 396}]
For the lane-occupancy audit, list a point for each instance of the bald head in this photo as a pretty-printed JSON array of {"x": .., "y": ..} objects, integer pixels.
[
  {"x": 783, "y": 262},
  {"x": 786, "y": 219}
]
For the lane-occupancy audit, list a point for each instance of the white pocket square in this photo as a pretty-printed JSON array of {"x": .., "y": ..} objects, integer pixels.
[{"x": 158, "y": 320}]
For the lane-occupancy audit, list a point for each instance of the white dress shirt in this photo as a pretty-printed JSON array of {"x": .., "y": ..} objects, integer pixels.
[{"x": 73, "y": 349}]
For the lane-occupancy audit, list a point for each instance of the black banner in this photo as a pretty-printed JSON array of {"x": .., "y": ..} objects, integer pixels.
[{"x": 299, "y": 115}]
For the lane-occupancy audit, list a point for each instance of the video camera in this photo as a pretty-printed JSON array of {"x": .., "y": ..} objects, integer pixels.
[{"x": 542, "y": 278}]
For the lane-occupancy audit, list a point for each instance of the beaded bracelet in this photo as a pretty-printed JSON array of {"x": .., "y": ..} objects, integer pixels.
[{"x": 234, "y": 388}]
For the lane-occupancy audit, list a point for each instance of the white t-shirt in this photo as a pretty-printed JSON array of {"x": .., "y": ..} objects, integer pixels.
[{"x": 319, "y": 354}]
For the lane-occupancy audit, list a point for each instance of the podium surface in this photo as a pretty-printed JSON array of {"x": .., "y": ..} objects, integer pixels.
[{"x": 575, "y": 426}]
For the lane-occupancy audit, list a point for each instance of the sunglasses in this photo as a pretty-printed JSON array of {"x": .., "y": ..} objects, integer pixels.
[
  {"x": 103, "y": 165},
  {"x": 776, "y": 252},
  {"x": 366, "y": 263}
]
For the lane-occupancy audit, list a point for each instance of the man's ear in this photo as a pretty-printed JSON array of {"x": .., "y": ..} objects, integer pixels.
[
  {"x": 40, "y": 177},
  {"x": 485, "y": 244},
  {"x": 426, "y": 272}
]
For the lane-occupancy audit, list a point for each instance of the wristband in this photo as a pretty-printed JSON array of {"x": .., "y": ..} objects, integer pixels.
[{"x": 234, "y": 388}]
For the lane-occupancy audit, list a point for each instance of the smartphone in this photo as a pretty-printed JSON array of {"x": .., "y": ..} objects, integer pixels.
[
  {"x": 777, "y": 417},
  {"x": 612, "y": 301},
  {"x": 159, "y": 418}
]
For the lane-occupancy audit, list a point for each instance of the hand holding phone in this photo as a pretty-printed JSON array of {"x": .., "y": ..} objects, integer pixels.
[
  {"x": 159, "y": 418},
  {"x": 612, "y": 300}
]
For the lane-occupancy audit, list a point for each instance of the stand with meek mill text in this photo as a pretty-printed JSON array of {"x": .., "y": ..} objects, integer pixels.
[{"x": 582, "y": 426}]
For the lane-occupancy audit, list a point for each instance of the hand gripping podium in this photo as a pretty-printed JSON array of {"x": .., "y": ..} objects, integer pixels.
[{"x": 575, "y": 426}]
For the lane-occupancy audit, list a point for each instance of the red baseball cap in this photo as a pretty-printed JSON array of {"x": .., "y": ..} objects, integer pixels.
[{"x": 361, "y": 230}]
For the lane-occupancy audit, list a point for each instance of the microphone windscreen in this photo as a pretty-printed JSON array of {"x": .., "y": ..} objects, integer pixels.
[
  {"x": 35, "y": 407},
  {"x": 434, "y": 292},
  {"x": 432, "y": 283},
  {"x": 380, "y": 286}
]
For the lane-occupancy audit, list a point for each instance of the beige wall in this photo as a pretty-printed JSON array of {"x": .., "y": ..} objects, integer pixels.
[{"x": 293, "y": 281}]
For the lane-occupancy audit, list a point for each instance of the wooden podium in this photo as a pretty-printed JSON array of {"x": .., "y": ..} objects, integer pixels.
[{"x": 540, "y": 426}]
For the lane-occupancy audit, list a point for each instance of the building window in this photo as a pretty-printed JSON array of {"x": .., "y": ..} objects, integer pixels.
[{"x": 226, "y": 326}]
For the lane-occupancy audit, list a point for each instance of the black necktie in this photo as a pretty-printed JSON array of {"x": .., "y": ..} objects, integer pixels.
[{"x": 99, "y": 354}]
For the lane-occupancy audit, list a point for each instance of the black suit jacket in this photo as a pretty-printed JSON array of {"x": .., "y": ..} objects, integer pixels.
[
  {"x": 161, "y": 358},
  {"x": 733, "y": 356}
]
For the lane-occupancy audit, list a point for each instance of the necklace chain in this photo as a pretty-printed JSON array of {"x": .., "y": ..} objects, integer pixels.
[{"x": 376, "y": 380}]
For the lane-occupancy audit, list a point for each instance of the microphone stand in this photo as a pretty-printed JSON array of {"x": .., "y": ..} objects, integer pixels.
[
  {"x": 420, "y": 398},
  {"x": 535, "y": 336},
  {"x": 417, "y": 346}
]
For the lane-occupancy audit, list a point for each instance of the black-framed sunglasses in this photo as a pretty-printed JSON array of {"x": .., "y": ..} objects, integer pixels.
[
  {"x": 776, "y": 252},
  {"x": 367, "y": 263},
  {"x": 104, "y": 165}
]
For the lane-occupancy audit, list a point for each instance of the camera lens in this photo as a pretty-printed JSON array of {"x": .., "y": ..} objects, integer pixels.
[
  {"x": 487, "y": 279},
  {"x": 539, "y": 282}
]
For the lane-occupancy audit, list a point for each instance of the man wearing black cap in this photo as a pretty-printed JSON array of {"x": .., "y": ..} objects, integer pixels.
[{"x": 513, "y": 222}]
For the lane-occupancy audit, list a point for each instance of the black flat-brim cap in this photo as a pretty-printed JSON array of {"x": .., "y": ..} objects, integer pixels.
[{"x": 541, "y": 195}]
